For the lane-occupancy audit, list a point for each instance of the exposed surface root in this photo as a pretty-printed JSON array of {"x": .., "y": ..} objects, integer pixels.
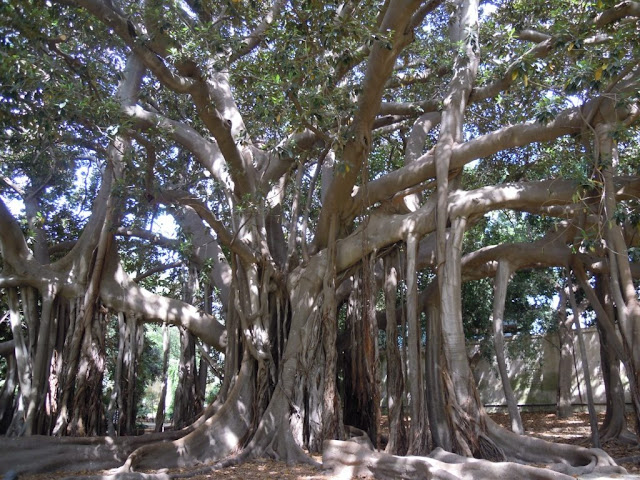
[
  {"x": 348, "y": 459},
  {"x": 215, "y": 439},
  {"x": 46, "y": 454},
  {"x": 38, "y": 453},
  {"x": 568, "y": 459}
]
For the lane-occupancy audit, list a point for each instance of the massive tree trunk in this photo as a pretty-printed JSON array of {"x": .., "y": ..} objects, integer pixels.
[
  {"x": 279, "y": 392},
  {"x": 622, "y": 287},
  {"x": 615, "y": 419},
  {"x": 332, "y": 413}
]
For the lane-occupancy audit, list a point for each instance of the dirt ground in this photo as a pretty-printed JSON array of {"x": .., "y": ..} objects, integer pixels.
[{"x": 574, "y": 430}]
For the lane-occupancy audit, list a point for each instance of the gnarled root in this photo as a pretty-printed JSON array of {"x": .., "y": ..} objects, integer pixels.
[
  {"x": 568, "y": 459},
  {"x": 349, "y": 459},
  {"x": 38, "y": 453},
  {"x": 216, "y": 438}
]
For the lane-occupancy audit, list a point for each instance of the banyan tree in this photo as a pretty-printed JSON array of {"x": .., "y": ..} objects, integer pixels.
[{"x": 324, "y": 162}]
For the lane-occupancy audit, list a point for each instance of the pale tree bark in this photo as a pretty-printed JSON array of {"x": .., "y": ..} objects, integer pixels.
[
  {"x": 22, "y": 362},
  {"x": 622, "y": 288},
  {"x": 418, "y": 430},
  {"x": 500, "y": 294},
  {"x": 127, "y": 94},
  {"x": 160, "y": 411},
  {"x": 332, "y": 409},
  {"x": 586, "y": 373},
  {"x": 564, "y": 407},
  {"x": 464, "y": 411},
  {"x": 397, "y": 444},
  {"x": 273, "y": 402},
  {"x": 614, "y": 424},
  {"x": 614, "y": 341}
]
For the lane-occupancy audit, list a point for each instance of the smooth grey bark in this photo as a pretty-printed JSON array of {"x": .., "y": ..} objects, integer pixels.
[
  {"x": 464, "y": 411},
  {"x": 22, "y": 362},
  {"x": 418, "y": 431},
  {"x": 397, "y": 444},
  {"x": 615, "y": 342},
  {"x": 415, "y": 144},
  {"x": 348, "y": 459},
  {"x": 160, "y": 411},
  {"x": 576, "y": 313},
  {"x": 272, "y": 437},
  {"x": 332, "y": 424},
  {"x": 564, "y": 407},
  {"x": 621, "y": 280},
  {"x": 615, "y": 420},
  {"x": 214, "y": 439},
  {"x": 500, "y": 294}
]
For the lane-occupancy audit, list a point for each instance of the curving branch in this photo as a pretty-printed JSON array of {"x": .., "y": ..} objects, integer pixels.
[
  {"x": 205, "y": 151},
  {"x": 224, "y": 236},
  {"x": 568, "y": 122},
  {"x": 379, "y": 68},
  {"x": 13, "y": 245},
  {"x": 121, "y": 293},
  {"x": 153, "y": 238},
  {"x": 623, "y": 9},
  {"x": 385, "y": 229},
  {"x": 252, "y": 40},
  {"x": 123, "y": 27},
  {"x": 541, "y": 50}
]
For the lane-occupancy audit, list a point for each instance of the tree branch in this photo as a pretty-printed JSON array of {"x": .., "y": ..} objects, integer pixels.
[
  {"x": 623, "y": 9},
  {"x": 380, "y": 66},
  {"x": 256, "y": 36},
  {"x": 224, "y": 236}
]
